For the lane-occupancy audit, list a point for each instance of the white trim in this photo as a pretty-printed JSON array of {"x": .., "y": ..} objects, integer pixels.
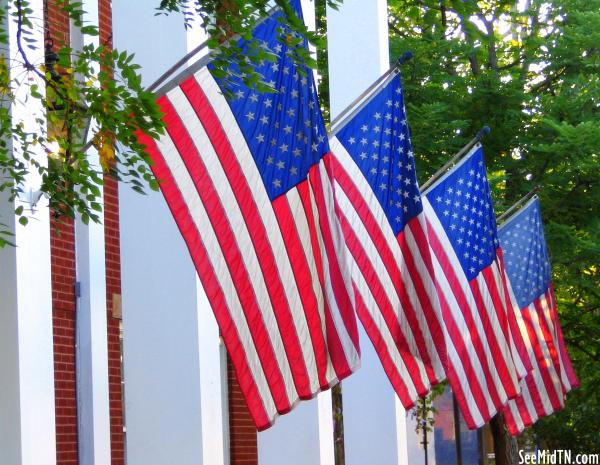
[
  {"x": 27, "y": 404},
  {"x": 326, "y": 448},
  {"x": 92, "y": 344}
]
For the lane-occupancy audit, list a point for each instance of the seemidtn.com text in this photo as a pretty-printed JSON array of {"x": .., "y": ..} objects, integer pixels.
[{"x": 557, "y": 457}]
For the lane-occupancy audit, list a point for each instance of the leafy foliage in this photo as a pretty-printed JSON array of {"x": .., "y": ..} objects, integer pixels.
[
  {"x": 102, "y": 85},
  {"x": 529, "y": 70},
  {"x": 73, "y": 87}
]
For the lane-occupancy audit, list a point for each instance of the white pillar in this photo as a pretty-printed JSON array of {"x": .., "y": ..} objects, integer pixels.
[
  {"x": 91, "y": 331},
  {"x": 27, "y": 410},
  {"x": 211, "y": 349},
  {"x": 172, "y": 359},
  {"x": 357, "y": 38},
  {"x": 305, "y": 435}
]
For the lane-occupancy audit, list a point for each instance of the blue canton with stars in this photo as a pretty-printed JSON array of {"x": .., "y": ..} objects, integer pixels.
[
  {"x": 525, "y": 254},
  {"x": 378, "y": 140},
  {"x": 463, "y": 204},
  {"x": 284, "y": 129}
]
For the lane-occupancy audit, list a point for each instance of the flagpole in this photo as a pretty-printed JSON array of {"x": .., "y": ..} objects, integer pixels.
[
  {"x": 439, "y": 173},
  {"x": 381, "y": 79},
  {"x": 518, "y": 203}
]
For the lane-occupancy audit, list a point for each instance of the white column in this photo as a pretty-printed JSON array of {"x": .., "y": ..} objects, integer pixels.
[
  {"x": 305, "y": 435},
  {"x": 162, "y": 327},
  {"x": 357, "y": 38},
  {"x": 93, "y": 407},
  {"x": 211, "y": 349},
  {"x": 27, "y": 410}
]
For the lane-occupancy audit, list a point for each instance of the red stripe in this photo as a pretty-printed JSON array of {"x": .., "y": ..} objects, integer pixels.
[
  {"x": 389, "y": 316},
  {"x": 462, "y": 346},
  {"x": 463, "y": 306},
  {"x": 417, "y": 228},
  {"x": 256, "y": 229},
  {"x": 513, "y": 325},
  {"x": 387, "y": 257},
  {"x": 343, "y": 300},
  {"x": 536, "y": 395},
  {"x": 541, "y": 360},
  {"x": 233, "y": 255},
  {"x": 510, "y": 422},
  {"x": 549, "y": 336},
  {"x": 499, "y": 364},
  {"x": 423, "y": 297},
  {"x": 509, "y": 382},
  {"x": 524, "y": 410},
  {"x": 304, "y": 280},
  {"x": 386, "y": 361},
  {"x": 334, "y": 345},
  {"x": 209, "y": 281}
]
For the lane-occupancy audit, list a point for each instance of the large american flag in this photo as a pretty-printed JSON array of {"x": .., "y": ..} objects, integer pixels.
[
  {"x": 382, "y": 218},
  {"x": 243, "y": 174},
  {"x": 471, "y": 285},
  {"x": 528, "y": 269}
]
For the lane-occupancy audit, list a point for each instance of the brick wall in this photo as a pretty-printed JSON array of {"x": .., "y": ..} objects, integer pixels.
[
  {"x": 63, "y": 297},
  {"x": 62, "y": 253},
  {"x": 242, "y": 432},
  {"x": 62, "y": 244},
  {"x": 113, "y": 279}
]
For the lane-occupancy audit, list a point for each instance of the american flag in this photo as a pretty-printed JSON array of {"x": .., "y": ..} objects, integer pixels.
[
  {"x": 382, "y": 218},
  {"x": 243, "y": 174},
  {"x": 528, "y": 269},
  {"x": 471, "y": 285}
]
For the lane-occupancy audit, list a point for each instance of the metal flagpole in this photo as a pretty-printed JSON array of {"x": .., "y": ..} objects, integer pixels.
[
  {"x": 351, "y": 109},
  {"x": 439, "y": 173},
  {"x": 519, "y": 203}
]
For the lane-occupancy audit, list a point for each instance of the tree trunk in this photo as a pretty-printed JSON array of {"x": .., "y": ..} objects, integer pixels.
[
  {"x": 338, "y": 424},
  {"x": 505, "y": 445}
]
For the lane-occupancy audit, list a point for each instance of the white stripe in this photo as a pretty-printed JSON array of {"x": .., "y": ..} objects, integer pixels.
[
  {"x": 548, "y": 362},
  {"x": 374, "y": 258},
  {"x": 549, "y": 315},
  {"x": 517, "y": 370},
  {"x": 383, "y": 224},
  {"x": 526, "y": 394},
  {"x": 516, "y": 311},
  {"x": 239, "y": 229},
  {"x": 498, "y": 335},
  {"x": 454, "y": 358},
  {"x": 516, "y": 415},
  {"x": 383, "y": 330},
  {"x": 457, "y": 312},
  {"x": 430, "y": 289},
  {"x": 201, "y": 220},
  {"x": 304, "y": 234},
  {"x": 535, "y": 374},
  {"x": 268, "y": 218},
  {"x": 350, "y": 352}
]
